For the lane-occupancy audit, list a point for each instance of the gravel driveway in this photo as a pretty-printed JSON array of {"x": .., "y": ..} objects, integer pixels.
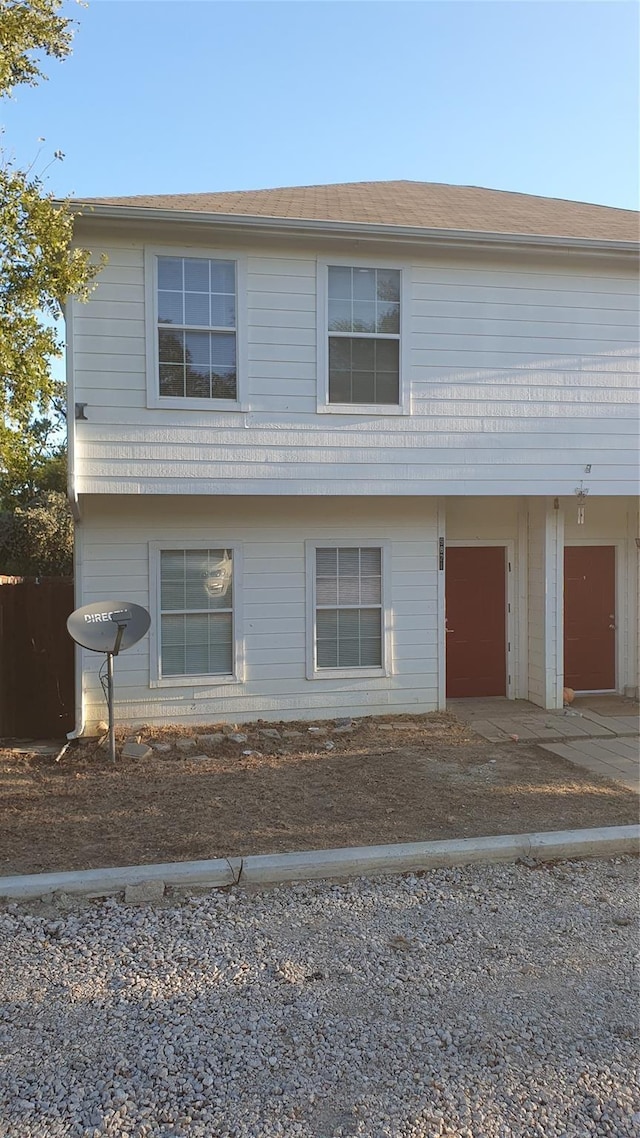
[{"x": 488, "y": 1002}]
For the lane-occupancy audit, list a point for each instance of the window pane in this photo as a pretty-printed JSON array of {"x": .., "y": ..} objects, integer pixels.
[
  {"x": 348, "y": 624},
  {"x": 196, "y": 309},
  {"x": 197, "y": 348},
  {"x": 223, "y": 311},
  {"x": 363, "y": 354},
  {"x": 223, "y": 383},
  {"x": 349, "y": 562},
  {"x": 387, "y": 389},
  {"x": 326, "y": 639},
  {"x": 327, "y": 562},
  {"x": 198, "y": 382},
  {"x": 388, "y": 318},
  {"x": 371, "y": 652},
  {"x": 170, "y": 346},
  {"x": 363, "y": 387},
  {"x": 364, "y": 284},
  {"x": 196, "y": 275},
  {"x": 340, "y": 387},
  {"x": 371, "y": 561},
  {"x": 348, "y": 652},
  {"x": 387, "y": 355},
  {"x": 223, "y": 349},
  {"x": 172, "y": 653},
  {"x": 340, "y": 316},
  {"x": 172, "y": 379},
  {"x": 170, "y": 273},
  {"x": 340, "y": 286},
  {"x": 223, "y": 276},
  {"x": 349, "y": 591},
  {"x": 388, "y": 284},
  {"x": 364, "y": 316},
  {"x": 339, "y": 353},
  {"x": 170, "y": 308},
  {"x": 370, "y": 622}
]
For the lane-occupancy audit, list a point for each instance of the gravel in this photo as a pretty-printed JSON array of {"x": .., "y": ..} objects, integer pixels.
[{"x": 488, "y": 1002}]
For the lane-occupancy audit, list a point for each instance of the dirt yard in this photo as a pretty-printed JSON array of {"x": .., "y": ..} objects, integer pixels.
[{"x": 317, "y": 785}]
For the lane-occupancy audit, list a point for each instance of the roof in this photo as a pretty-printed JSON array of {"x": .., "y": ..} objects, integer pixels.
[{"x": 425, "y": 205}]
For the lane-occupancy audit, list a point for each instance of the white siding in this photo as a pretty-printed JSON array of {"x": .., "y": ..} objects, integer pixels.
[
  {"x": 115, "y": 563},
  {"x": 521, "y": 374}
]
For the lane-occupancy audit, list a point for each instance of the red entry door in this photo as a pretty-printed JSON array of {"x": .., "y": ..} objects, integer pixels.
[
  {"x": 476, "y": 621},
  {"x": 590, "y": 617}
]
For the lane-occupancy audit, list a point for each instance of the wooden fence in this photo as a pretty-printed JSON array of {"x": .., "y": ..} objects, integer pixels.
[{"x": 36, "y": 658}]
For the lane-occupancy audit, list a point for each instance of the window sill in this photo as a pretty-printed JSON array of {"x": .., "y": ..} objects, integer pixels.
[
  {"x": 193, "y": 681},
  {"x": 174, "y": 402},
  {"x": 362, "y": 409},
  {"x": 347, "y": 673}
]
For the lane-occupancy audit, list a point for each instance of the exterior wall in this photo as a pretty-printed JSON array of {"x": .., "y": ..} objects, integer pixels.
[
  {"x": 113, "y": 549},
  {"x": 523, "y": 370},
  {"x": 113, "y": 562}
]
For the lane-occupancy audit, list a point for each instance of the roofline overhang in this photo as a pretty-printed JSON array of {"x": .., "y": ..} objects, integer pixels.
[{"x": 406, "y": 234}]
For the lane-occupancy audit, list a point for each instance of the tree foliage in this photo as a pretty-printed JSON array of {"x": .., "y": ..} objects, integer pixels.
[
  {"x": 36, "y": 540},
  {"x": 39, "y": 270}
]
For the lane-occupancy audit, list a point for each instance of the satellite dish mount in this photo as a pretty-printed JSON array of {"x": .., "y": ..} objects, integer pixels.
[{"x": 109, "y": 627}]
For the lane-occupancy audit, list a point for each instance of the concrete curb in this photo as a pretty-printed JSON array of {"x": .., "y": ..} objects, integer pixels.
[{"x": 269, "y": 869}]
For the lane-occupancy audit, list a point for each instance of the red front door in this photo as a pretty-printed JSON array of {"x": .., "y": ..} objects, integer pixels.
[
  {"x": 590, "y": 617},
  {"x": 476, "y": 621}
]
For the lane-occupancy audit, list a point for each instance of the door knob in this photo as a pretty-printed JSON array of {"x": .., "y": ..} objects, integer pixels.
[
  {"x": 449, "y": 629},
  {"x": 612, "y": 626}
]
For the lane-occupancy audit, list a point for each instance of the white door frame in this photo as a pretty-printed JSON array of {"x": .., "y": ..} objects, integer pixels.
[
  {"x": 620, "y": 604},
  {"x": 511, "y": 624}
]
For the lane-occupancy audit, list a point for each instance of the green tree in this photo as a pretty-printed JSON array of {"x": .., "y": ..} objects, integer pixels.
[{"x": 39, "y": 268}]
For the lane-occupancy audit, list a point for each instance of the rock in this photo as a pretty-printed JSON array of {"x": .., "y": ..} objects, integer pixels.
[
  {"x": 133, "y": 750},
  {"x": 344, "y": 730},
  {"x": 329, "y": 746},
  {"x": 239, "y": 738},
  {"x": 292, "y": 734},
  {"x": 163, "y": 748},
  {"x": 270, "y": 733},
  {"x": 211, "y": 740},
  {"x": 144, "y": 892},
  {"x": 186, "y": 745},
  {"x": 316, "y": 730},
  {"x": 199, "y": 758},
  {"x": 343, "y": 722},
  {"x": 385, "y": 727}
]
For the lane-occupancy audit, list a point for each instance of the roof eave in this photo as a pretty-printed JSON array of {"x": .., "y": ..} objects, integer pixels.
[{"x": 359, "y": 229}]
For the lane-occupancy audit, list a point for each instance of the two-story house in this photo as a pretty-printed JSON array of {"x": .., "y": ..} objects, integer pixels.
[{"x": 357, "y": 448}]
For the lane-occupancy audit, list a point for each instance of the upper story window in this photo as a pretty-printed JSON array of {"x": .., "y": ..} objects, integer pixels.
[
  {"x": 196, "y": 299},
  {"x": 361, "y": 332},
  {"x": 363, "y": 311},
  {"x": 196, "y": 328}
]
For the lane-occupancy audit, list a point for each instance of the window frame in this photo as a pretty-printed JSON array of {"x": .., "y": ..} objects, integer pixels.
[
  {"x": 154, "y": 398},
  {"x": 403, "y": 407},
  {"x": 386, "y": 669},
  {"x": 210, "y": 680}
]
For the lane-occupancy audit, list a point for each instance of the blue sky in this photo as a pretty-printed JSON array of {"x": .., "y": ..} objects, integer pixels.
[{"x": 168, "y": 97}]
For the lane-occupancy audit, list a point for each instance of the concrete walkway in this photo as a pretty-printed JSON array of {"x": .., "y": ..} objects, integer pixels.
[{"x": 598, "y": 733}]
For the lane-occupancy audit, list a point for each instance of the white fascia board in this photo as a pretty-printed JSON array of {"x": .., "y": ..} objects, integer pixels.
[{"x": 450, "y": 238}]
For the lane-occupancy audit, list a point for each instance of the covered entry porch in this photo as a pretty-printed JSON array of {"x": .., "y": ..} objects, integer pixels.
[{"x": 536, "y": 600}]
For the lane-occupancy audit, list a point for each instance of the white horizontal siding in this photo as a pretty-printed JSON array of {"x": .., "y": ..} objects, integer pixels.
[
  {"x": 115, "y": 540},
  {"x": 521, "y": 374}
]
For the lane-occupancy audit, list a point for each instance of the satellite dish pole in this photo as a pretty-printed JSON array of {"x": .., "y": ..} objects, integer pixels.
[{"x": 122, "y": 619}]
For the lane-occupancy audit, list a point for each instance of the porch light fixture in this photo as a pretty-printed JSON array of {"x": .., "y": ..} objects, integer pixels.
[{"x": 581, "y": 492}]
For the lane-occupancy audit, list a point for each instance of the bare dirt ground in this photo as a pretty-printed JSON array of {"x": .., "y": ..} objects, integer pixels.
[{"x": 377, "y": 780}]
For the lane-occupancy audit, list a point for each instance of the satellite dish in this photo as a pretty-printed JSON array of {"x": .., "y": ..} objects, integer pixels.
[
  {"x": 98, "y": 626},
  {"x": 111, "y": 627}
]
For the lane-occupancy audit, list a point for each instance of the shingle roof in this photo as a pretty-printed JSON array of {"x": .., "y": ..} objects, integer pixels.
[{"x": 428, "y": 205}]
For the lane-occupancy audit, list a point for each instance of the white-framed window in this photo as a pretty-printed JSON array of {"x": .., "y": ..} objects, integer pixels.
[
  {"x": 194, "y": 630},
  {"x": 348, "y": 621},
  {"x": 361, "y": 315},
  {"x": 195, "y": 303}
]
